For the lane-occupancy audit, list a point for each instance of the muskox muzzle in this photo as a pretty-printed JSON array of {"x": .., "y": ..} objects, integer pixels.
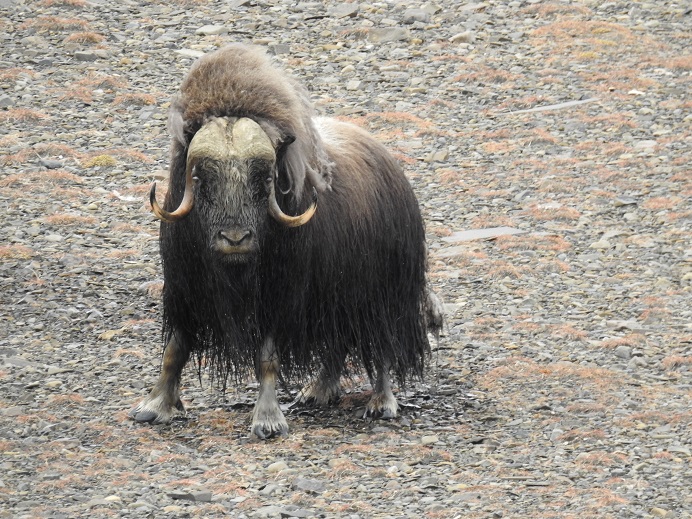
[{"x": 230, "y": 139}]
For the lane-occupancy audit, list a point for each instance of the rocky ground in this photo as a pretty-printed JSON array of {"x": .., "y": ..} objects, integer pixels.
[{"x": 562, "y": 385}]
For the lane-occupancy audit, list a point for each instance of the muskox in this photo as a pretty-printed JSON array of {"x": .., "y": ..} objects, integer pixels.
[{"x": 290, "y": 244}]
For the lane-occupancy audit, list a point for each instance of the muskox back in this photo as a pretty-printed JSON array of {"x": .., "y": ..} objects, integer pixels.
[{"x": 258, "y": 277}]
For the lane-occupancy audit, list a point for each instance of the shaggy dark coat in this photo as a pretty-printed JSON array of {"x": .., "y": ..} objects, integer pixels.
[{"x": 351, "y": 282}]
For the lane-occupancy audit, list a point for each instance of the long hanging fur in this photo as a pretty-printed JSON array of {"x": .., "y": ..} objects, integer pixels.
[{"x": 351, "y": 282}]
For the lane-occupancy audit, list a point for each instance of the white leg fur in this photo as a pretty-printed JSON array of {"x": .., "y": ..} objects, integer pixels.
[
  {"x": 382, "y": 404},
  {"x": 267, "y": 418}
]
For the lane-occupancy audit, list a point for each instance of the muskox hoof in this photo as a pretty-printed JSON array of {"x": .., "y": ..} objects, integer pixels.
[
  {"x": 266, "y": 431},
  {"x": 156, "y": 411},
  {"x": 268, "y": 421},
  {"x": 381, "y": 406},
  {"x": 318, "y": 393}
]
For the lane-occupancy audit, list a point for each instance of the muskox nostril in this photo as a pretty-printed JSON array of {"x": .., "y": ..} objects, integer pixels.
[{"x": 236, "y": 237}]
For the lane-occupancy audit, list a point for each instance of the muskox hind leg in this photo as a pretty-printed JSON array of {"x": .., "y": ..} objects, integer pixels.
[
  {"x": 382, "y": 404},
  {"x": 325, "y": 388},
  {"x": 163, "y": 403},
  {"x": 268, "y": 419}
]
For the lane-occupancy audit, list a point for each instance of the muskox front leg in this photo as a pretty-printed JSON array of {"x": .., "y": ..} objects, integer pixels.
[
  {"x": 382, "y": 404},
  {"x": 267, "y": 418},
  {"x": 163, "y": 403}
]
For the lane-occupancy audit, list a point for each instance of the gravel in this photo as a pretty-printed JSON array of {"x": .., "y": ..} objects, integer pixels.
[{"x": 561, "y": 386}]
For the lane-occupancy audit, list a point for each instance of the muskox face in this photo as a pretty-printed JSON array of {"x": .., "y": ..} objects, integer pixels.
[
  {"x": 231, "y": 204},
  {"x": 230, "y": 177}
]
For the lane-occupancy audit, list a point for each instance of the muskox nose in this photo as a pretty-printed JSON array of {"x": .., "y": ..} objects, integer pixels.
[{"x": 236, "y": 237}]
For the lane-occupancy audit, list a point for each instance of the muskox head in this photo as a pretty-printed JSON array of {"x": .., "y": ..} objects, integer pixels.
[{"x": 230, "y": 179}]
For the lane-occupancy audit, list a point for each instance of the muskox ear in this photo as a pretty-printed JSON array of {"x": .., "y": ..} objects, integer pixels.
[
  {"x": 303, "y": 161},
  {"x": 284, "y": 144},
  {"x": 176, "y": 124},
  {"x": 285, "y": 180}
]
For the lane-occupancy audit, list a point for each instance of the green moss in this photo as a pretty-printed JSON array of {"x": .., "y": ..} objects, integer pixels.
[{"x": 104, "y": 161}]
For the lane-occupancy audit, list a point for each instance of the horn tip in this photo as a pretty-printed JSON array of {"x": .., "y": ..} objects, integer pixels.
[{"x": 155, "y": 208}]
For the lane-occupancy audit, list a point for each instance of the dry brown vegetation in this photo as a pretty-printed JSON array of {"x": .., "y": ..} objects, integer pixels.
[
  {"x": 54, "y": 24},
  {"x": 85, "y": 37},
  {"x": 15, "y": 115}
]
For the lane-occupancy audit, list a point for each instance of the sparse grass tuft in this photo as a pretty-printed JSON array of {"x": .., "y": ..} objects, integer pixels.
[
  {"x": 556, "y": 213},
  {"x": 72, "y": 399},
  {"x": 15, "y": 252},
  {"x": 53, "y": 148},
  {"x": 586, "y": 407},
  {"x": 484, "y": 221},
  {"x": 605, "y": 497},
  {"x": 20, "y": 157},
  {"x": 82, "y": 94},
  {"x": 632, "y": 340},
  {"x": 601, "y": 458},
  {"x": 618, "y": 120},
  {"x": 54, "y": 24},
  {"x": 7, "y": 141},
  {"x": 504, "y": 269},
  {"x": 15, "y": 115},
  {"x": 680, "y": 63},
  {"x": 581, "y": 434},
  {"x": 676, "y": 361},
  {"x": 661, "y": 203},
  {"x": 14, "y": 73},
  {"x": 106, "y": 82},
  {"x": 547, "y": 243},
  {"x": 85, "y": 37},
  {"x": 568, "y": 331},
  {"x": 527, "y": 369},
  {"x": 69, "y": 219},
  {"x": 498, "y": 148},
  {"x": 584, "y": 29}
]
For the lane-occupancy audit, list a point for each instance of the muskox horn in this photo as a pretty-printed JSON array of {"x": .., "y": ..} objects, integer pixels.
[
  {"x": 283, "y": 218},
  {"x": 250, "y": 140},
  {"x": 209, "y": 141},
  {"x": 185, "y": 206}
]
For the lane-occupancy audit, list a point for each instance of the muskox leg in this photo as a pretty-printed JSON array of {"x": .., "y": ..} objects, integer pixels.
[
  {"x": 267, "y": 418},
  {"x": 325, "y": 388},
  {"x": 163, "y": 403},
  {"x": 434, "y": 312},
  {"x": 382, "y": 404}
]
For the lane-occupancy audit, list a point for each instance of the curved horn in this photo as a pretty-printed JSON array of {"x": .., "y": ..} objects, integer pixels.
[
  {"x": 283, "y": 218},
  {"x": 208, "y": 141},
  {"x": 185, "y": 206}
]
